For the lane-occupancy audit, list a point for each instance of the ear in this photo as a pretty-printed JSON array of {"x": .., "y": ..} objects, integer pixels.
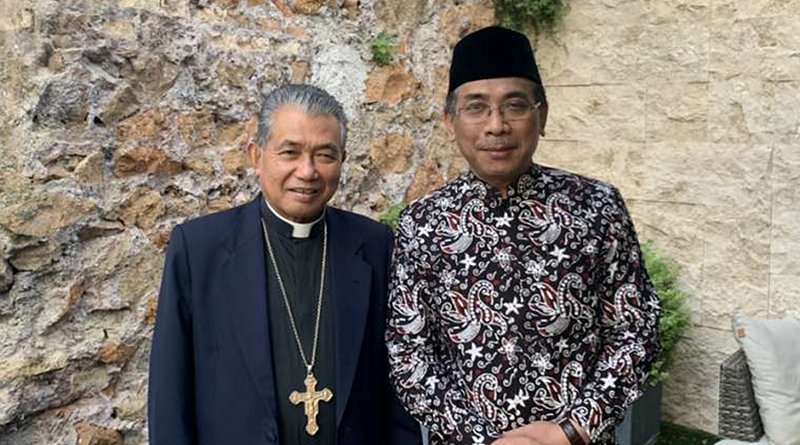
[
  {"x": 254, "y": 154},
  {"x": 542, "y": 118},
  {"x": 449, "y": 125}
]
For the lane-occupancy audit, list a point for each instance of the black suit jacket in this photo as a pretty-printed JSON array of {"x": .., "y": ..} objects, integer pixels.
[{"x": 211, "y": 369}]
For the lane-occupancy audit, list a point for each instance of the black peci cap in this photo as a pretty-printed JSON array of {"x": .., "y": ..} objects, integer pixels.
[{"x": 490, "y": 53}]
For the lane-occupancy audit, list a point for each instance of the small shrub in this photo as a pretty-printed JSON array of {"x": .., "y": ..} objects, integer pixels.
[
  {"x": 539, "y": 16},
  {"x": 383, "y": 48},
  {"x": 390, "y": 216},
  {"x": 675, "y": 317}
]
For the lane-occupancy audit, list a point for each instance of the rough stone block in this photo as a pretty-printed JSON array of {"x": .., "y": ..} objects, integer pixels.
[
  {"x": 390, "y": 84},
  {"x": 674, "y": 53},
  {"x": 142, "y": 208},
  {"x": 677, "y": 112},
  {"x": 103, "y": 256},
  {"x": 147, "y": 160},
  {"x": 595, "y": 159},
  {"x": 300, "y": 70},
  {"x": 700, "y": 174},
  {"x": 149, "y": 5},
  {"x": 197, "y": 128},
  {"x": 590, "y": 56},
  {"x": 785, "y": 255},
  {"x": 691, "y": 395},
  {"x": 401, "y": 16},
  {"x": 91, "y": 169},
  {"x": 391, "y": 153},
  {"x": 146, "y": 125},
  {"x": 141, "y": 276},
  {"x": 35, "y": 257},
  {"x": 89, "y": 434},
  {"x": 589, "y": 113},
  {"x": 784, "y": 295},
  {"x": 459, "y": 20},
  {"x": 740, "y": 9},
  {"x": 45, "y": 215},
  {"x": 427, "y": 178},
  {"x": 17, "y": 15},
  {"x": 676, "y": 231},
  {"x": 753, "y": 111},
  {"x": 342, "y": 71},
  {"x": 763, "y": 48},
  {"x": 118, "y": 105},
  {"x": 64, "y": 100},
  {"x": 200, "y": 162},
  {"x": 235, "y": 162},
  {"x": 6, "y": 276}
]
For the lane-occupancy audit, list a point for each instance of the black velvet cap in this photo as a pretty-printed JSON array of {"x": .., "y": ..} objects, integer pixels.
[{"x": 492, "y": 52}]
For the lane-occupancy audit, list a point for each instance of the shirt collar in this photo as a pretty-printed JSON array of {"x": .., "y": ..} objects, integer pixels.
[
  {"x": 524, "y": 184},
  {"x": 286, "y": 226}
]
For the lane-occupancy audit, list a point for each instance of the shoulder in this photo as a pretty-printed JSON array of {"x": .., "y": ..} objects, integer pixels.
[
  {"x": 213, "y": 222},
  {"x": 577, "y": 181},
  {"x": 214, "y": 230},
  {"x": 580, "y": 187},
  {"x": 437, "y": 198}
]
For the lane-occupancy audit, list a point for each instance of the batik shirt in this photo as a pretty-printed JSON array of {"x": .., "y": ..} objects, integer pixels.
[{"x": 509, "y": 310}]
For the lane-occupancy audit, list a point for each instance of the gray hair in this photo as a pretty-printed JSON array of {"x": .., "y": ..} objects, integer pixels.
[
  {"x": 309, "y": 98},
  {"x": 450, "y": 100}
]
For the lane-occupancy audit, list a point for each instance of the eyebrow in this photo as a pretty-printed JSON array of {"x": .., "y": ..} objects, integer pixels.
[{"x": 295, "y": 144}]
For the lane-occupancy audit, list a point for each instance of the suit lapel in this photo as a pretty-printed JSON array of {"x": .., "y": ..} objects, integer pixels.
[
  {"x": 244, "y": 278},
  {"x": 351, "y": 279}
]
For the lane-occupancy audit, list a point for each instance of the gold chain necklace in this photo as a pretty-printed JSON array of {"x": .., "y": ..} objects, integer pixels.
[{"x": 311, "y": 397}]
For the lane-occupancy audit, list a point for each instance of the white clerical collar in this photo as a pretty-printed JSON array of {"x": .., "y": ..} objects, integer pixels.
[{"x": 299, "y": 230}]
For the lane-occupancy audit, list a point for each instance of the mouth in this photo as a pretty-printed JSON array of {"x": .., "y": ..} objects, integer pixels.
[
  {"x": 304, "y": 193},
  {"x": 497, "y": 146}
]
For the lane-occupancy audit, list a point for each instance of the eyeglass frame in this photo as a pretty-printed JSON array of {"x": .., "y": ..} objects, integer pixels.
[{"x": 502, "y": 108}]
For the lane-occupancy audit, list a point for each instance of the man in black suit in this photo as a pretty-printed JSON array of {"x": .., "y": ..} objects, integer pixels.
[{"x": 271, "y": 315}]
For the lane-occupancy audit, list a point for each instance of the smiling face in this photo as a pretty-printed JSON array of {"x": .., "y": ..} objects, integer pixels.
[
  {"x": 497, "y": 150},
  {"x": 300, "y": 164}
]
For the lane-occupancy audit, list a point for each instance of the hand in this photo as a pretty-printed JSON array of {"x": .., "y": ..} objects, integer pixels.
[{"x": 536, "y": 433}]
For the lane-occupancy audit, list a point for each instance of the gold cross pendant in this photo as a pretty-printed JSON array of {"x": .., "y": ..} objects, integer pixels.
[{"x": 310, "y": 400}]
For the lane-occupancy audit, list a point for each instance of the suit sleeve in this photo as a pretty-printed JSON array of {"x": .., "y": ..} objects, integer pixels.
[
  {"x": 170, "y": 405},
  {"x": 629, "y": 310},
  {"x": 403, "y": 429},
  {"x": 417, "y": 358}
]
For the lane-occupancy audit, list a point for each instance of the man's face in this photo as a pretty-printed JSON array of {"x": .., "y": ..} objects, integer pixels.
[
  {"x": 300, "y": 164},
  {"x": 497, "y": 150}
]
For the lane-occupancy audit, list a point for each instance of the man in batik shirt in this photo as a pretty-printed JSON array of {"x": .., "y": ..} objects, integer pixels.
[{"x": 520, "y": 309}]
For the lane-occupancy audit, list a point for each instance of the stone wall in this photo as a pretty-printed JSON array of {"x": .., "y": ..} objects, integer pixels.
[{"x": 123, "y": 118}]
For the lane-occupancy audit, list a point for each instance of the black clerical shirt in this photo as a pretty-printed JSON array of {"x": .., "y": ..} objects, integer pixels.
[{"x": 299, "y": 262}]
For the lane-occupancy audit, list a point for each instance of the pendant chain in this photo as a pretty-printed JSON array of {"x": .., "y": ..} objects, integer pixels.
[{"x": 309, "y": 365}]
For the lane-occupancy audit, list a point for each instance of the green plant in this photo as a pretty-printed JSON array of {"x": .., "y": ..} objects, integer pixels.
[
  {"x": 383, "y": 48},
  {"x": 675, "y": 317},
  {"x": 389, "y": 217},
  {"x": 539, "y": 16}
]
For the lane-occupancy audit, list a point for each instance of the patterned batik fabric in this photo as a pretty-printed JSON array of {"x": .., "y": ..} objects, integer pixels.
[{"x": 505, "y": 311}]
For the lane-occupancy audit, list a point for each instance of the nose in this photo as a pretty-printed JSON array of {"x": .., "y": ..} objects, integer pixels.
[
  {"x": 307, "y": 170},
  {"x": 496, "y": 123}
]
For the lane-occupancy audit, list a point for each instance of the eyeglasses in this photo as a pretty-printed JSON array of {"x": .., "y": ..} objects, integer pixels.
[{"x": 479, "y": 112}]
